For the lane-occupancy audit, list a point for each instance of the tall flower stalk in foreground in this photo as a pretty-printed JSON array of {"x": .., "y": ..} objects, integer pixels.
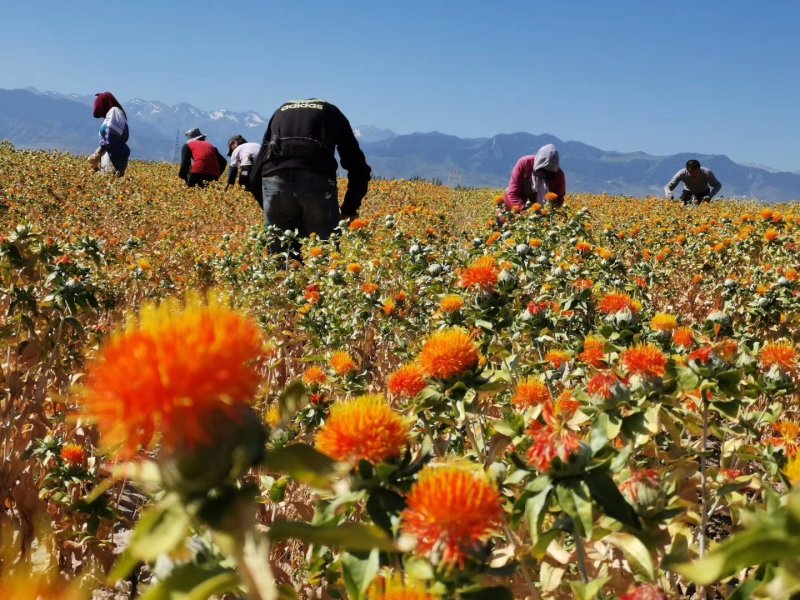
[{"x": 178, "y": 380}]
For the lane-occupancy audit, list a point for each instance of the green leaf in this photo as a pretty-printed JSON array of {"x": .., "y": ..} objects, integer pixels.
[
  {"x": 588, "y": 591},
  {"x": 382, "y": 505},
  {"x": 484, "y": 325},
  {"x": 498, "y": 380},
  {"x": 193, "y": 582},
  {"x": 583, "y": 507},
  {"x": 688, "y": 379},
  {"x": 728, "y": 382},
  {"x": 635, "y": 551},
  {"x": 350, "y": 536},
  {"x": 159, "y": 530},
  {"x": 418, "y": 568},
  {"x": 304, "y": 464},
  {"x": 292, "y": 399},
  {"x": 487, "y": 593},
  {"x": 607, "y": 495},
  {"x": 535, "y": 509},
  {"x": 359, "y": 573},
  {"x": 756, "y": 546}
]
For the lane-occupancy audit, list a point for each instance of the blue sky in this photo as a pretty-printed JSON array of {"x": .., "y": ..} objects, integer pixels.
[{"x": 716, "y": 77}]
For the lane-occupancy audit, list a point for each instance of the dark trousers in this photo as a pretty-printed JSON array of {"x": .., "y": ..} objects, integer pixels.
[
  {"x": 302, "y": 200},
  {"x": 688, "y": 197}
]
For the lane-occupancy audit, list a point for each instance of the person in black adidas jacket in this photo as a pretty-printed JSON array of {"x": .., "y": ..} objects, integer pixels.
[{"x": 294, "y": 175}]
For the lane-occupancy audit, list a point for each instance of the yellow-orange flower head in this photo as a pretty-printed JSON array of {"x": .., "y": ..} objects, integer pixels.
[
  {"x": 530, "y": 392},
  {"x": 664, "y": 322},
  {"x": 451, "y": 512},
  {"x": 451, "y": 303},
  {"x": 363, "y": 428},
  {"x": 73, "y": 454},
  {"x": 782, "y": 354},
  {"x": 407, "y": 381},
  {"x": 314, "y": 376},
  {"x": 342, "y": 363},
  {"x": 448, "y": 353},
  {"x": 395, "y": 589},
  {"x": 482, "y": 274},
  {"x": 645, "y": 360},
  {"x": 613, "y": 303},
  {"x": 169, "y": 370}
]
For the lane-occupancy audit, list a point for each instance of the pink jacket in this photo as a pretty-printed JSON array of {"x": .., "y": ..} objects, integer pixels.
[{"x": 521, "y": 186}]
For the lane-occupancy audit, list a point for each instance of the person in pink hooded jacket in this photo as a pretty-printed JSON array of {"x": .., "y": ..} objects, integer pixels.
[{"x": 534, "y": 176}]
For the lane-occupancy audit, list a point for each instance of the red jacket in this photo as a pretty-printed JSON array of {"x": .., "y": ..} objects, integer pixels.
[{"x": 205, "y": 158}]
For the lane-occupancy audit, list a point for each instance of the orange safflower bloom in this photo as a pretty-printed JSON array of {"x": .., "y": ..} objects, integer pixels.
[
  {"x": 530, "y": 392},
  {"x": 448, "y": 353},
  {"x": 73, "y": 455},
  {"x": 770, "y": 235},
  {"x": 593, "y": 352},
  {"x": 603, "y": 384},
  {"x": 395, "y": 589},
  {"x": 314, "y": 376},
  {"x": 664, "y": 322},
  {"x": 452, "y": 511},
  {"x": 583, "y": 247},
  {"x": 551, "y": 441},
  {"x": 582, "y": 284},
  {"x": 604, "y": 253},
  {"x": 782, "y": 354},
  {"x": 482, "y": 274},
  {"x": 363, "y": 428},
  {"x": 451, "y": 303},
  {"x": 316, "y": 252},
  {"x": 551, "y": 196},
  {"x": 389, "y": 306},
  {"x": 683, "y": 337},
  {"x": 369, "y": 288},
  {"x": 407, "y": 381},
  {"x": 613, "y": 303},
  {"x": 557, "y": 358},
  {"x": 342, "y": 363},
  {"x": 534, "y": 242},
  {"x": 787, "y": 438},
  {"x": 357, "y": 224},
  {"x": 354, "y": 268},
  {"x": 493, "y": 238},
  {"x": 37, "y": 586},
  {"x": 645, "y": 360},
  {"x": 168, "y": 371}
]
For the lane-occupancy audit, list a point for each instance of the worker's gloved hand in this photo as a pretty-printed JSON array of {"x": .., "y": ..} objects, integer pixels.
[
  {"x": 670, "y": 197},
  {"x": 94, "y": 161},
  {"x": 705, "y": 199},
  {"x": 349, "y": 218}
]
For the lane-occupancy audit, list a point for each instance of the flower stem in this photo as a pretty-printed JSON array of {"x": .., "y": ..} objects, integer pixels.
[
  {"x": 704, "y": 480},
  {"x": 581, "y": 551}
]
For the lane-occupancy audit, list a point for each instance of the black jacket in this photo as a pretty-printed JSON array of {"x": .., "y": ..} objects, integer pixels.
[{"x": 303, "y": 134}]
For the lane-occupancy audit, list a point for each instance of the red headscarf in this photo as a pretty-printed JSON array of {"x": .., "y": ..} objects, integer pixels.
[{"x": 105, "y": 102}]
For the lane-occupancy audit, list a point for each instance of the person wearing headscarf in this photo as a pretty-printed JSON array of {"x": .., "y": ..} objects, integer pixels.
[
  {"x": 534, "y": 176},
  {"x": 113, "y": 153},
  {"x": 201, "y": 162}
]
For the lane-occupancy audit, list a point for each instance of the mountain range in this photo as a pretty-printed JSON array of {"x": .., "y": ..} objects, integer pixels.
[{"x": 33, "y": 119}]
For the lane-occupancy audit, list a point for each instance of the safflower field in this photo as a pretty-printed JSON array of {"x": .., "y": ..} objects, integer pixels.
[{"x": 446, "y": 400}]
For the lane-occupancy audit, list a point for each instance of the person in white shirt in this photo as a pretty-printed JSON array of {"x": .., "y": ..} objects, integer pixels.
[{"x": 243, "y": 154}]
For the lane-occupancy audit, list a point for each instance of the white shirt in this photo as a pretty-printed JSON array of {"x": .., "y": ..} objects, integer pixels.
[{"x": 245, "y": 154}]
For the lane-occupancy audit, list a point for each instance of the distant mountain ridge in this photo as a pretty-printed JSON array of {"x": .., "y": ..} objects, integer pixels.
[{"x": 33, "y": 119}]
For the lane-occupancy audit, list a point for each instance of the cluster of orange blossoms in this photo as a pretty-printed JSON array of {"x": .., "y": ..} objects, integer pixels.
[
  {"x": 363, "y": 428},
  {"x": 530, "y": 392},
  {"x": 614, "y": 303},
  {"x": 452, "y": 511},
  {"x": 645, "y": 360},
  {"x": 342, "y": 363},
  {"x": 482, "y": 275},
  {"x": 168, "y": 371},
  {"x": 407, "y": 381},
  {"x": 448, "y": 353}
]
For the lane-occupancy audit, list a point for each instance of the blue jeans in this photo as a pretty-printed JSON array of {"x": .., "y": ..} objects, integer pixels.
[{"x": 302, "y": 200}]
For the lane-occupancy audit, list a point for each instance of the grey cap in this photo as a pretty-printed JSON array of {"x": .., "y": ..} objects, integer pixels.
[{"x": 195, "y": 134}]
